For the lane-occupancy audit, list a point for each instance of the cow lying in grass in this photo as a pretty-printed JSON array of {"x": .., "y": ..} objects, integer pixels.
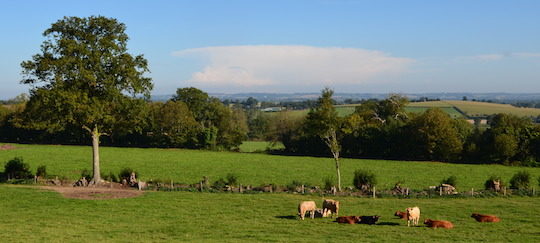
[
  {"x": 485, "y": 218},
  {"x": 307, "y": 206},
  {"x": 438, "y": 224},
  {"x": 348, "y": 219},
  {"x": 401, "y": 215},
  {"x": 369, "y": 219}
]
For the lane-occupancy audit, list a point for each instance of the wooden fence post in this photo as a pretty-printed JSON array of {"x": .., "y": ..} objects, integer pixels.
[
  {"x": 240, "y": 189},
  {"x": 303, "y": 189},
  {"x": 200, "y": 183},
  {"x": 440, "y": 190},
  {"x": 504, "y": 191},
  {"x": 374, "y": 192},
  {"x": 472, "y": 192}
]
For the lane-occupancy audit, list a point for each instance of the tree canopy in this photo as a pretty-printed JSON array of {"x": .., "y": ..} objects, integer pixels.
[{"x": 84, "y": 77}]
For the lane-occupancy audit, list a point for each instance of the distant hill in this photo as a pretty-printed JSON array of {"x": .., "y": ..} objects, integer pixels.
[{"x": 494, "y": 97}]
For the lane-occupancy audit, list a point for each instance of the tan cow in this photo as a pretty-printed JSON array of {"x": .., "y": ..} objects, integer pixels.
[
  {"x": 330, "y": 207},
  {"x": 307, "y": 206},
  {"x": 413, "y": 215}
]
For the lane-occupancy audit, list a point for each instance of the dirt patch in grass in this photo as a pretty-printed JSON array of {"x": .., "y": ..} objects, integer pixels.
[
  {"x": 94, "y": 193},
  {"x": 7, "y": 147}
]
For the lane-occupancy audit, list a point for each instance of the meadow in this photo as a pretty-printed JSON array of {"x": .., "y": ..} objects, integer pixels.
[
  {"x": 189, "y": 166},
  {"x": 32, "y": 215}
]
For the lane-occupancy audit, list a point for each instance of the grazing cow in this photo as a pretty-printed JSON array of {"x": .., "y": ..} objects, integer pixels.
[
  {"x": 369, "y": 219},
  {"x": 330, "y": 207},
  {"x": 348, "y": 219},
  {"x": 485, "y": 218},
  {"x": 306, "y": 206},
  {"x": 401, "y": 215},
  {"x": 438, "y": 224},
  {"x": 413, "y": 215}
]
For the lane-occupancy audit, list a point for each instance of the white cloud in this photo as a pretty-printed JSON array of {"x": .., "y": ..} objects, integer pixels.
[{"x": 260, "y": 67}]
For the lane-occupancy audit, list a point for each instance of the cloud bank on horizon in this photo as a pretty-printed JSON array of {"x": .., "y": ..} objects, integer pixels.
[{"x": 282, "y": 68}]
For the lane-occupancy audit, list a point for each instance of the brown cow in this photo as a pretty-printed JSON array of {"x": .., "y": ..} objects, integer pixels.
[
  {"x": 438, "y": 224},
  {"x": 401, "y": 215},
  {"x": 347, "y": 219},
  {"x": 485, "y": 218},
  {"x": 330, "y": 207}
]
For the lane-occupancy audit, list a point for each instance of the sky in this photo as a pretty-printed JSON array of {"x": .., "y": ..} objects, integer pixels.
[{"x": 303, "y": 46}]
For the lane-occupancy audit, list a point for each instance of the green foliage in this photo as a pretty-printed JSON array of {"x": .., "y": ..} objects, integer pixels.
[
  {"x": 451, "y": 180},
  {"x": 125, "y": 173},
  {"x": 232, "y": 179},
  {"x": 110, "y": 177},
  {"x": 219, "y": 183},
  {"x": 364, "y": 180},
  {"x": 488, "y": 185},
  {"x": 520, "y": 180},
  {"x": 17, "y": 169},
  {"x": 86, "y": 174},
  {"x": 41, "y": 171},
  {"x": 328, "y": 183}
]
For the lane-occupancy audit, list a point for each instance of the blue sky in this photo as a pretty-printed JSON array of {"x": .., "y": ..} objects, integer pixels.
[{"x": 302, "y": 46}]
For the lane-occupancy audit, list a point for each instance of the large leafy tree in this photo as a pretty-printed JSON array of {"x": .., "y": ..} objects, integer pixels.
[{"x": 84, "y": 77}]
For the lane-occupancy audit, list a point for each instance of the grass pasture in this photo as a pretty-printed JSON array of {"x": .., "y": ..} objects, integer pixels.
[
  {"x": 32, "y": 215},
  {"x": 258, "y": 146},
  {"x": 189, "y": 166},
  {"x": 475, "y": 108}
]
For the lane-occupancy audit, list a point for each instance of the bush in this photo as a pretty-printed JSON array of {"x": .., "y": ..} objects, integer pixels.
[
  {"x": 520, "y": 180},
  {"x": 86, "y": 174},
  {"x": 41, "y": 171},
  {"x": 125, "y": 173},
  {"x": 219, "y": 184},
  {"x": 452, "y": 180},
  {"x": 364, "y": 180},
  {"x": 328, "y": 183},
  {"x": 232, "y": 179},
  {"x": 17, "y": 169},
  {"x": 110, "y": 177},
  {"x": 293, "y": 185},
  {"x": 489, "y": 185}
]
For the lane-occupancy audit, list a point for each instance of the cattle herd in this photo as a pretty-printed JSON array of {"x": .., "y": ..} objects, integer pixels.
[{"x": 412, "y": 215}]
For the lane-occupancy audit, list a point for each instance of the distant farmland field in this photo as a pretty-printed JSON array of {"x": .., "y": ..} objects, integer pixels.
[{"x": 451, "y": 107}]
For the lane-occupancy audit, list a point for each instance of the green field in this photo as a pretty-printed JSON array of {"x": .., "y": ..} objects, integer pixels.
[
  {"x": 470, "y": 108},
  {"x": 33, "y": 215},
  {"x": 474, "y": 108},
  {"x": 189, "y": 166}
]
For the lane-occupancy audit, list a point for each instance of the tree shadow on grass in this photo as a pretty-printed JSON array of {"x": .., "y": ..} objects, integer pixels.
[
  {"x": 388, "y": 223},
  {"x": 286, "y": 217}
]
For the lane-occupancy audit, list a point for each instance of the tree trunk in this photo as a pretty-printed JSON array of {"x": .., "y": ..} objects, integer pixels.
[
  {"x": 338, "y": 173},
  {"x": 95, "y": 155}
]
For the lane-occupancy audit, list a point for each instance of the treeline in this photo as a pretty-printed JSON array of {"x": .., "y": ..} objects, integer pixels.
[
  {"x": 191, "y": 119},
  {"x": 382, "y": 129}
]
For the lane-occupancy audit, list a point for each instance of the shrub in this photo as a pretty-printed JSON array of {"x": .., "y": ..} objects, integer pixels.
[
  {"x": 364, "y": 180},
  {"x": 489, "y": 185},
  {"x": 328, "y": 183},
  {"x": 86, "y": 174},
  {"x": 452, "y": 180},
  {"x": 293, "y": 185},
  {"x": 219, "y": 184},
  {"x": 520, "y": 180},
  {"x": 125, "y": 173},
  {"x": 17, "y": 169},
  {"x": 232, "y": 179},
  {"x": 41, "y": 171},
  {"x": 110, "y": 177}
]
